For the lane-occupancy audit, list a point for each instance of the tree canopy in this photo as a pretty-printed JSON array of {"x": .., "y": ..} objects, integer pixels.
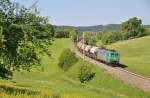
[
  {"x": 66, "y": 33},
  {"x": 88, "y": 35},
  {"x": 74, "y": 34},
  {"x": 24, "y": 34},
  {"x": 133, "y": 27}
]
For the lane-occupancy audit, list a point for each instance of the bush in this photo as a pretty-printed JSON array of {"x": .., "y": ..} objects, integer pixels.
[
  {"x": 108, "y": 38},
  {"x": 147, "y": 31},
  {"x": 67, "y": 59},
  {"x": 112, "y": 37},
  {"x": 99, "y": 35},
  {"x": 92, "y": 42},
  {"x": 85, "y": 74},
  {"x": 62, "y": 33}
]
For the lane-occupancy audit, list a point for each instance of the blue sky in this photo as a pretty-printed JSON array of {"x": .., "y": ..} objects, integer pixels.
[{"x": 92, "y": 12}]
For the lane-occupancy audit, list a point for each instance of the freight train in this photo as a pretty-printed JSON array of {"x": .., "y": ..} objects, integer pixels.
[{"x": 107, "y": 56}]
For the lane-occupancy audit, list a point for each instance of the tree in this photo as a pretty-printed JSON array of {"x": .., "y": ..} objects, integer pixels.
[
  {"x": 92, "y": 41},
  {"x": 88, "y": 35},
  {"x": 99, "y": 35},
  {"x": 24, "y": 35},
  {"x": 129, "y": 29},
  {"x": 44, "y": 31},
  {"x": 62, "y": 33},
  {"x": 108, "y": 38},
  {"x": 132, "y": 27},
  {"x": 73, "y": 34},
  {"x": 111, "y": 37}
]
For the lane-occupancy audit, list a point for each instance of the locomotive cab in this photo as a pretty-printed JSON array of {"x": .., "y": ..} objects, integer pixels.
[{"x": 113, "y": 57}]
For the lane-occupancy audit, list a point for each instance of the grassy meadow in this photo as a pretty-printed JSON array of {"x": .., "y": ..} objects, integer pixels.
[
  {"x": 135, "y": 54},
  {"x": 52, "y": 81}
]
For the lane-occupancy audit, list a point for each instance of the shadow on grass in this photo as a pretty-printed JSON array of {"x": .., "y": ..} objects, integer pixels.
[
  {"x": 20, "y": 85},
  {"x": 5, "y": 74},
  {"x": 11, "y": 90},
  {"x": 122, "y": 65}
]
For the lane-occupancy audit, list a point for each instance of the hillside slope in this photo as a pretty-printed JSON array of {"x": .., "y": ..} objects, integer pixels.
[
  {"x": 135, "y": 54},
  {"x": 95, "y": 28},
  {"x": 66, "y": 84}
]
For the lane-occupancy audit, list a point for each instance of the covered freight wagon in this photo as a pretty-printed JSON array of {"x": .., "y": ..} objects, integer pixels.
[
  {"x": 94, "y": 52},
  {"x": 87, "y": 50},
  {"x": 79, "y": 46}
]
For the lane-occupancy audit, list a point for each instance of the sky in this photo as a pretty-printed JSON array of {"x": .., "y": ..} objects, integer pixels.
[{"x": 91, "y": 12}]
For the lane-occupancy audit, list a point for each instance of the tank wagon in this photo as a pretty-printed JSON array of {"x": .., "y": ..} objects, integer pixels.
[{"x": 100, "y": 54}]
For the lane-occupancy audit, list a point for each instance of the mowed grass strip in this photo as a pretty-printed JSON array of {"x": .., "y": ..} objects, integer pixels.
[
  {"x": 60, "y": 84},
  {"x": 135, "y": 53}
]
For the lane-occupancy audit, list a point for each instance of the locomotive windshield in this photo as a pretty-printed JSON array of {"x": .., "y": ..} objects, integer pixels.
[{"x": 114, "y": 54}]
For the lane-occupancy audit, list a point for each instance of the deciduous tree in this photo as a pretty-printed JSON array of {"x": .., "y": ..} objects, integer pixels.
[{"x": 24, "y": 34}]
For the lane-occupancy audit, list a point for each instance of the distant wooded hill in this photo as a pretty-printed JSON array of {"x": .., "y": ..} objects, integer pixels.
[{"x": 96, "y": 28}]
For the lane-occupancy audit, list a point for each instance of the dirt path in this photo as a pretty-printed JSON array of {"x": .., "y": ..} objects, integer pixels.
[{"x": 128, "y": 78}]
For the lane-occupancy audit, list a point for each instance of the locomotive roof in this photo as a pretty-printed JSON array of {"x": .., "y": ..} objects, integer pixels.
[{"x": 110, "y": 50}]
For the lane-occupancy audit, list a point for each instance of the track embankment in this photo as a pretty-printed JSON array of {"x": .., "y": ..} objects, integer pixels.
[{"x": 124, "y": 75}]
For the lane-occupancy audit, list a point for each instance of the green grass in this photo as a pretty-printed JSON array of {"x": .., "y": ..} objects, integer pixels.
[
  {"x": 105, "y": 84},
  {"x": 135, "y": 54},
  {"x": 57, "y": 83}
]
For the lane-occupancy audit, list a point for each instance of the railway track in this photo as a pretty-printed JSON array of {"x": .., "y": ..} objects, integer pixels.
[
  {"x": 126, "y": 76},
  {"x": 132, "y": 73}
]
